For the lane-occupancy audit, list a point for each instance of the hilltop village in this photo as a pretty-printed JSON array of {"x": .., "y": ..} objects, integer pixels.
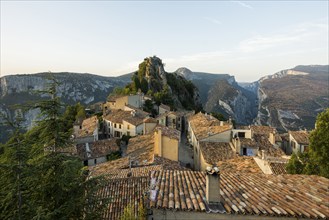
[{"x": 182, "y": 164}]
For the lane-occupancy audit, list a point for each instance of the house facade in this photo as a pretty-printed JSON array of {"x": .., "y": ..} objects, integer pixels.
[
  {"x": 298, "y": 141},
  {"x": 119, "y": 102},
  {"x": 166, "y": 142},
  {"x": 119, "y": 123},
  {"x": 206, "y": 128}
]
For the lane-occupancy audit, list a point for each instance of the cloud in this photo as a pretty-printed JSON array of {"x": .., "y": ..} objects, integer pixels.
[
  {"x": 265, "y": 42},
  {"x": 213, "y": 20},
  {"x": 244, "y": 4},
  {"x": 304, "y": 32}
]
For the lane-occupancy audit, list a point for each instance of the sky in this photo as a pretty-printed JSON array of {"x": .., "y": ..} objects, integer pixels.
[{"x": 247, "y": 39}]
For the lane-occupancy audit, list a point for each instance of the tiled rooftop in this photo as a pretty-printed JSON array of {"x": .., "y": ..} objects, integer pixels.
[
  {"x": 298, "y": 196},
  {"x": 123, "y": 192},
  {"x": 106, "y": 167},
  {"x": 246, "y": 142},
  {"x": 264, "y": 144},
  {"x": 97, "y": 149},
  {"x": 118, "y": 116},
  {"x": 214, "y": 151},
  {"x": 132, "y": 172},
  {"x": 206, "y": 125},
  {"x": 168, "y": 164},
  {"x": 169, "y": 132},
  {"x": 150, "y": 120},
  {"x": 278, "y": 168},
  {"x": 302, "y": 137},
  {"x": 88, "y": 126},
  {"x": 239, "y": 164},
  {"x": 260, "y": 129}
]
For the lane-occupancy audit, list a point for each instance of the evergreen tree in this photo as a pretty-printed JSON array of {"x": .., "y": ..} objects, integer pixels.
[
  {"x": 39, "y": 177},
  {"x": 14, "y": 202}
]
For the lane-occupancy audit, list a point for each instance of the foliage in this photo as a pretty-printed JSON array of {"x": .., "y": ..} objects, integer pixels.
[
  {"x": 164, "y": 97},
  {"x": 113, "y": 156},
  {"x": 316, "y": 159},
  {"x": 125, "y": 138},
  {"x": 319, "y": 145},
  {"x": 218, "y": 115},
  {"x": 128, "y": 213},
  {"x": 38, "y": 180}
]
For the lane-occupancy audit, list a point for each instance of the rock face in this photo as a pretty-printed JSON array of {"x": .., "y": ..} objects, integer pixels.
[
  {"x": 221, "y": 93},
  {"x": 291, "y": 99},
  {"x": 73, "y": 88},
  {"x": 181, "y": 90}
]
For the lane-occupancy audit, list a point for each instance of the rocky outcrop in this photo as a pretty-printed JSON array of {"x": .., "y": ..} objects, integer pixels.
[{"x": 181, "y": 92}]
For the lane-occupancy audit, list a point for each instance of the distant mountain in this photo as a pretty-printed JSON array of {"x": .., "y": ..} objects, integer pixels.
[
  {"x": 74, "y": 87},
  {"x": 291, "y": 99},
  {"x": 203, "y": 81},
  {"x": 221, "y": 93}
]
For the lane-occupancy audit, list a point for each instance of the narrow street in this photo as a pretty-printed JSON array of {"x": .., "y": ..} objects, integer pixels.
[{"x": 185, "y": 152}]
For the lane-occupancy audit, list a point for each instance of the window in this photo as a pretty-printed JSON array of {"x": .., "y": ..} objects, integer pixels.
[
  {"x": 115, "y": 125},
  {"x": 241, "y": 134},
  {"x": 119, "y": 126},
  {"x": 128, "y": 127},
  {"x": 174, "y": 121},
  {"x": 95, "y": 161}
]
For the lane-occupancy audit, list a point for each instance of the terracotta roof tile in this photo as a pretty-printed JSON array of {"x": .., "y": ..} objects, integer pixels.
[
  {"x": 150, "y": 120},
  {"x": 239, "y": 164},
  {"x": 206, "y": 125},
  {"x": 123, "y": 192},
  {"x": 298, "y": 196},
  {"x": 278, "y": 167},
  {"x": 302, "y": 137},
  {"x": 118, "y": 116},
  {"x": 264, "y": 144},
  {"x": 247, "y": 142},
  {"x": 132, "y": 172},
  {"x": 110, "y": 165},
  {"x": 97, "y": 149},
  {"x": 169, "y": 132},
  {"x": 214, "y": 151},
  {"x": 88, "y": 126},
  {"x": 168, "y": 164},
  {"x": 260, "y": 129}
]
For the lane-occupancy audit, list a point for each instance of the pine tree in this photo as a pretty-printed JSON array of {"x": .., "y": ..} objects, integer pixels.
[{"x": 55, "y": 184}]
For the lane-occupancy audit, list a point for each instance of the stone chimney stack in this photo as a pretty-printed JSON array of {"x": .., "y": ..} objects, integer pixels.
[{"x": 212, "y": 185}]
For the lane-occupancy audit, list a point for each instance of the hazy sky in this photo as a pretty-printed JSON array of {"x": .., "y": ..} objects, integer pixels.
[{"x": 247, "y": 39}]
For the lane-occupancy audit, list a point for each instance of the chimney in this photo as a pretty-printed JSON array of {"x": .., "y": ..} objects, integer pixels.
[
  {"x": 212, "y": 185},
  {"x": 221, "y": 123}
]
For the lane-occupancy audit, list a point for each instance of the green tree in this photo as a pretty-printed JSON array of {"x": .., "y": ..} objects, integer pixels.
[
  {"x": 319, "y": 146},
  {"x": 14, "y": 203},
  {"x": 40, "y": 179},
  {"x": 144, "y": 86},
  {"x": 296, "y": 165},
  {"x": 316, "y": 159}
]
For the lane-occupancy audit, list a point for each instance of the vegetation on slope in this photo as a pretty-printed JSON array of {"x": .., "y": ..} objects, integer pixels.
[{"x": 316, "y": 159}]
